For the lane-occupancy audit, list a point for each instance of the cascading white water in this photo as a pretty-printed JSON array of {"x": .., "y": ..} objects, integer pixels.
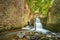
[
  {"x": 38, "y": 27},
  {"x": 38, "y": 24}
]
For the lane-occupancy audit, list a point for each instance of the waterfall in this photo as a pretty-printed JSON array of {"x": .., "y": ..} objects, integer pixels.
[
  {"x": 38, "y": 24},
  {"x": 38, "y": 27}
]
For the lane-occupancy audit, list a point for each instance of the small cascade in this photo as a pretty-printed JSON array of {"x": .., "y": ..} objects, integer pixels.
[
  {"x": 38, "y": 27},
  {"x": 38, "y": 24}
]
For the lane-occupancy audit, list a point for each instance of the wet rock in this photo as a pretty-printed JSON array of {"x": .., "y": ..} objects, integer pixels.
[
  {"x": 20, "y": 34},
  {"x": 49, "y": 35},
  {"x": 36, "y": 34},
  {"x": 28, "y": 37},
  {"x": 32, "y": 36}
]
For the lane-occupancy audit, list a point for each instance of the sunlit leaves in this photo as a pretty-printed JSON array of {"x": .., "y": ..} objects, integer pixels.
[{"x": 40, "y": 5}]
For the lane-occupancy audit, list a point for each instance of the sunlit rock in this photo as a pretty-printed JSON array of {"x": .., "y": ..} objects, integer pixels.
[
  {"x": 20, "y": 34},
  {"x": 48, "y": 35}
]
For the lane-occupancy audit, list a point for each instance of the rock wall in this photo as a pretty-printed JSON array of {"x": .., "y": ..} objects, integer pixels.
[
  {"x": 13, "y": 13},
  {"x": 54, "y": 17}
]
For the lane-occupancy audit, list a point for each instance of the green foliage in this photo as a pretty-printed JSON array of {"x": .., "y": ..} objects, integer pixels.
[{"x": 39, "y": 5}]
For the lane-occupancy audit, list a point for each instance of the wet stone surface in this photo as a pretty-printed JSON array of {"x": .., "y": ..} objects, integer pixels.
[{"x": 25, "y": 35}]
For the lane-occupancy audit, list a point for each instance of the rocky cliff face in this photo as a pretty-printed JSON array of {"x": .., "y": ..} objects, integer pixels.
[
  {"x": 55, "y": 12},
  {"x": 54, "y": 17},
  {"x": 13, "y": 13}
]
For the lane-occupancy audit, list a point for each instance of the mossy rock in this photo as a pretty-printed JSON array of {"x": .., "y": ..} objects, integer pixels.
[{"x": 53, "y": 27}]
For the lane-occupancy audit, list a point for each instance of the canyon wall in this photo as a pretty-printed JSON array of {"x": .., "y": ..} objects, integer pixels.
[
  {"x": 53, "y": 22},
  {"x": 13, "y": 14}
]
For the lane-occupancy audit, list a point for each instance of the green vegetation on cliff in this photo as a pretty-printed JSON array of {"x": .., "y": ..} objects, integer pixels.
[{"x": 39, "y": 5}]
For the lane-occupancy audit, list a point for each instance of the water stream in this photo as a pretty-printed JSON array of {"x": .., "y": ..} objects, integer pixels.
[{"x": 38, "y": 27}]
